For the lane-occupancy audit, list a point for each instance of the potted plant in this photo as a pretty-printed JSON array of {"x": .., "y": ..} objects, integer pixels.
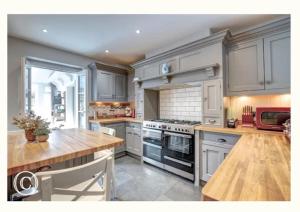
[
  {"x": 42, "y": 134},
  {"x": 30, "y": 122}
]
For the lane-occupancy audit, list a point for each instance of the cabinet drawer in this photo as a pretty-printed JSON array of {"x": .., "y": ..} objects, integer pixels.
[
  {"x": 219, "y": 138},
  {"x": 134, "y": 125},
  {"x": 212, "y": 121}
]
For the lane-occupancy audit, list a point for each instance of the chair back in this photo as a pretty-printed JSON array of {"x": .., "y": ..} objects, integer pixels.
[
  {"x": 61, "y": 180},
  {"x": 108, "y": 131}
]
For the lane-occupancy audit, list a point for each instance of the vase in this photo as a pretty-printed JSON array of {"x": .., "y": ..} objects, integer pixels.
[
  {"x": 42, "y": 138},
  {"x": 29, "y": 134}
]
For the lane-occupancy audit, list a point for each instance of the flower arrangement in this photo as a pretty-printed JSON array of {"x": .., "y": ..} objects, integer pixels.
[{"x": 34, "y": 126}]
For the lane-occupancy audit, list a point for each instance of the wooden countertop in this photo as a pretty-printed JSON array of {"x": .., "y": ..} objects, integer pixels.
[
  {"x": 238, "y": 131},
  {"x": 62, "y": 145},
  {"x": 115, "y": 120},
  {"x": 256, "y": 169}
]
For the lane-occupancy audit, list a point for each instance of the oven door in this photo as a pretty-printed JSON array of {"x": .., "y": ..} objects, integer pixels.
[
  {"x": 178, "y": 151},
  {"x": 152, "y": 146}
]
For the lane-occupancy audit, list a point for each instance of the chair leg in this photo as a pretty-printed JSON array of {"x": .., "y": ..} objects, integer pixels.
[{"x": 113, "y": 181}]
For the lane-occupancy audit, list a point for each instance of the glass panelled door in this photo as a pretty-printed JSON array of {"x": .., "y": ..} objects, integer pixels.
[{"x": 58, "y": 96}]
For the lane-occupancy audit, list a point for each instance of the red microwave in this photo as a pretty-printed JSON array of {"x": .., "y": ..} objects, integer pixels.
[{"x": 272, "y": 118}]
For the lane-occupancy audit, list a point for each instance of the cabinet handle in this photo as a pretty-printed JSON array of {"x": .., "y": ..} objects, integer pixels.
[
  {"x": 205, "y": 98},
  {"x": 211, "y": 121},
  {"x": 268, "y": 82},
  {"x": 222, "y": 140},
  {"x": 204, "y": 150}
]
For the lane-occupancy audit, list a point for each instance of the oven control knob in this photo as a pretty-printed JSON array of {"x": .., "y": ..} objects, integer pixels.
[
  {"x": 169, "y": 128},
  {"x": 176, "y": 129},
  {"x": 182, "y": 130},
  {"x": 186, "y": 130}
]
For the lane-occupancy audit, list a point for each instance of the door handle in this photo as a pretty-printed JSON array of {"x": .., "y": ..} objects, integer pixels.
[{"x": 222, "y": 140}]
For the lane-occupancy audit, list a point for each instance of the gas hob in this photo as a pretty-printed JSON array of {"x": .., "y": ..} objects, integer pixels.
[{"x": 173, "y": 125}]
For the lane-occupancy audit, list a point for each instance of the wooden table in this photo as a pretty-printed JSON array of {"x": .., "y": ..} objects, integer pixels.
[{"x": 62, "y": 145}]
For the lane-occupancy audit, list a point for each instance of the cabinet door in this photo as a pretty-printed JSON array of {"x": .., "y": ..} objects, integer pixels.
[
  {"x": 105, "y": 85},
  {"x": 277, "y": 52},
  {"x": 137, "y": 142},
  {"x": 120, "y": 87},
  {"x": 120, "y": 133},
  {"x": 210, "y": 161},
  {"x": 151, "y": 71},
  {"x": 212, "y": 97},
  {"x": 129, "y": 139},
  {"x": 245, "y": 67},
  {"x": 94, "y": 127}
]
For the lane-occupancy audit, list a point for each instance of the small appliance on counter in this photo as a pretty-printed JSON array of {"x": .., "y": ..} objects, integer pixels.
[
  {"x": 247, "y": 116},
  {"x": 272, "y": 118},
  {"x": 128, "y": 112},
  {"x": 232, "y": 123},
  {"x": 287, "y": 128}
]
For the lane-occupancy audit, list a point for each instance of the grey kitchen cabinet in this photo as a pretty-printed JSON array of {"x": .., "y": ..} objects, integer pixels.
[
  {"x": 246, "y": 66},
  {"x": 120, "y": 87},
  {"x": 215, "y": 147},
  {"x": 151, "y": 71},
  {"x": 260, "y": 66},
  {"x": 120, "y": 133},
  {"x": 94, "y": 127},
  {"x": 133, "y": 140},
  {"x": 139, "y": 102},
  {"x": 109, "y": 86},
  {"x": 277, "y": 55},
  {"x": 212, "y": 98},
  {"x": 131, "y": 87},
  {"x": 105, "y": 85},
  {"x": 212, "y": 157}
]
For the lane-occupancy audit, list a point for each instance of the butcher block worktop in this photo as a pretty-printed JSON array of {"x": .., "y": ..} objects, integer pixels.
[
  {"x": 115, "y": 120},
  {"x": 62, "y": 145},
  {"x": 256, "y": 169}
]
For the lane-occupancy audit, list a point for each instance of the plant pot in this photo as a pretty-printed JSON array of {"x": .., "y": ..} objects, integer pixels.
[
  {"x": 42, "y": 138},
  {"x": 30, "y": 137}
]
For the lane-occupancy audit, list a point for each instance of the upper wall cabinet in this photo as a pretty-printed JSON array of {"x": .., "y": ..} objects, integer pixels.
[
  {"x": 277, "y": 54},
  {"x": 109, "y": 86},
  {"x": 260, "y": 66},
  {"x": 151, "y": 71},
  {"x": 246, "y": 67}
]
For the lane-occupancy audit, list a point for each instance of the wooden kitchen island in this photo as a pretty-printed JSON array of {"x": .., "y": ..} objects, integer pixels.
[{"x": 62, "y": 145}]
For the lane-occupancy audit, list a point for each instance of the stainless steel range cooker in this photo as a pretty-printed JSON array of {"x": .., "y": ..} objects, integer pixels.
[{"x": 169, "y": 144}]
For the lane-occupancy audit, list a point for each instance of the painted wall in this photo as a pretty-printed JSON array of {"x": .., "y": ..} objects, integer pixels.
[
  {"x": 236, "y": 103},
  {"x": 18, "y": 48},
  {"x": 181, "y": 103}
]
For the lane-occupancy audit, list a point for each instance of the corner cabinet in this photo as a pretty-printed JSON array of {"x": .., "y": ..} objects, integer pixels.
[
  {"x": 109, "y": 86},
  {"x": 260, "y": 66}
]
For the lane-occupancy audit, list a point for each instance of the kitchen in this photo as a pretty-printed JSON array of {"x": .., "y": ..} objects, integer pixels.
[{"x": 196, "y": 114}]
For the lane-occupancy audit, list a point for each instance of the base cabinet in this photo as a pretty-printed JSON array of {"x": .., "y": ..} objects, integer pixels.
[
  {"x": 214, "y": 149},
  {"x": 133, "y": 140},
  {"x": 212, "y": 157},
  {"x": 120, "y": 133}
]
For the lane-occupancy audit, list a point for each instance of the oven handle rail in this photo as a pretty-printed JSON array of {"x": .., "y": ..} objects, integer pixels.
[
  {"x": 178, "y": 161},
  {"x": 178, "y": 134},
  {"x": 153, "y": 145}
]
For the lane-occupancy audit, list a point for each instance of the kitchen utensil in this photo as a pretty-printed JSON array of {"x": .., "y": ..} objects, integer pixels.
[{"x": 247, "y": 116}]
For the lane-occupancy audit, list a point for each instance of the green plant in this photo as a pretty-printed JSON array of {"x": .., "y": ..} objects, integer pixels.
[
  {"x": 42, "y": 131},
  {"x": 30, "y": 121}
]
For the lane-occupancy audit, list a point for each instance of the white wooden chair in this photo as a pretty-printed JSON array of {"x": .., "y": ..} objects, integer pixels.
[
  {"x": 112, "y": 132},
  {"x": 107, "y": 131},
  {"x": 88, "y": 182}
]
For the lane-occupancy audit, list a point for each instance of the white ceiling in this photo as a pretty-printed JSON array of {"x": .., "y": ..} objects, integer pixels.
[{"x": 91, "y": 35}]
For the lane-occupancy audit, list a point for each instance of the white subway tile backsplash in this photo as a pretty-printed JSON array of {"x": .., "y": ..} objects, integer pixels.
[{"x": 183, "y": 103}]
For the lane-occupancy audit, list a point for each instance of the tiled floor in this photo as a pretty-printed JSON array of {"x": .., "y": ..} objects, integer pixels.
[{"x": 143, "y": 182}]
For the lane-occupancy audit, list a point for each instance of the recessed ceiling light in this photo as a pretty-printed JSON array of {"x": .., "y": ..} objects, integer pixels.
[
  {"x": 137, "y": 31},
  {"x": 45, "y": 30},
  {"x": 106, "y": 51}
]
